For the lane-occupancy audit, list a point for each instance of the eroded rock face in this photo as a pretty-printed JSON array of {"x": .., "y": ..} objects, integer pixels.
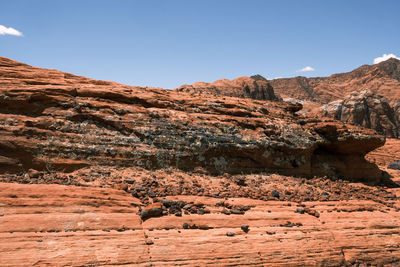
[
  {"x": 61, "y": 127},
  {"x": 365, "y": 109},
  {"x": 255, "y": 87}
]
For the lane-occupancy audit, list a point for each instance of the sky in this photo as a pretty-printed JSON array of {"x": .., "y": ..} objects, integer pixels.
[{"x": 169, "y": 43}]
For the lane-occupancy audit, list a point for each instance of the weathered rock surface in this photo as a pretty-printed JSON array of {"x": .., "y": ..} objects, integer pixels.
[
  {"x": 255, "y": 87},
  {"x": 61, "y": 127},
  {"x": 85, "y": 226},
  {"x": 366, "y": 109}
]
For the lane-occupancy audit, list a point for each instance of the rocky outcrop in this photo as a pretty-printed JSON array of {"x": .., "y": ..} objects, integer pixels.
[
  {"x": 365, "y": 109},
  {"x": 255, "y": 87},
  {"x": 63, "y": 128}
]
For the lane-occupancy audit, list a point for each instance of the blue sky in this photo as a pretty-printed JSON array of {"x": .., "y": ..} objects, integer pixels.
[{"x": 169, "y": 43}]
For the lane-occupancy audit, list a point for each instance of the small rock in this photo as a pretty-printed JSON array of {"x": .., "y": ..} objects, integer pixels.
[
  {"x": 395, "y": 165},
  {"x": 275, "y": 193},
  {"x": 167, "y": 202},
  {"x": 151, "y": 194},
  {"x": 124, "y": 187},
  {"x": 153, "y": 210},
  {"x": 240, "y": 181},
  {"x": 33, "y": 173},
  {"x": 185, "y": 226},
  {"x": 236, "y": 211},
  {"x": 193, "y": 226},
  {"x": 225, "y": 211},
  {"x": 149, "y": 242},
  {"x": 198, "y": 204},
  {"x": 204, "y": 227},
  {"x": 312, "y": 212},
  {"x": 178, "y": 213},
  {"x": 187, "y": 206},
  {"x": 207, "y": 211},
  {"x": 300, "y": 210},
  {"x": 129, "y": 181},
  {"x": 230, "y": 234},
  {"x": 245, "y": 228}
]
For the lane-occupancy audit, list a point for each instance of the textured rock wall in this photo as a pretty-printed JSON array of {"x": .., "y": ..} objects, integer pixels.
[{"x": 365, "y": 109}]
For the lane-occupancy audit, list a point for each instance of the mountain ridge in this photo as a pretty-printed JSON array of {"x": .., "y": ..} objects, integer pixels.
[{"x": 382, "y": 78}]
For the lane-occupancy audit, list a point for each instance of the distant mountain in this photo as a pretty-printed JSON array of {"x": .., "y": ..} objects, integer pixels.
[
  {"x": 382, "y": 79},
  {"x": 337, "y": 96}
]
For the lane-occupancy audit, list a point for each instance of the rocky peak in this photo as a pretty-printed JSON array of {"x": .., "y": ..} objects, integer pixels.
[
  {"x": 258, "y": 77},
  {"x": 255, "y": 87},
  {"x": 390, "y": 67}
]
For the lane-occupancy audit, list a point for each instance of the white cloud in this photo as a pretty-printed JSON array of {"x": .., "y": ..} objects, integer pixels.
[
  {"x": 308, "y": 68},
  {"x": 10, "y": 31},
  {"x": 384, "y": 58}
]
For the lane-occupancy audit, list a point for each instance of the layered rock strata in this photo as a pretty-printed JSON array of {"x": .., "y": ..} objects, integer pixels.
[{"x": 66, "y": 127}]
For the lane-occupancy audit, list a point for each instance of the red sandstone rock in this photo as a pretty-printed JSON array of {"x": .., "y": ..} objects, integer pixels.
[
  {"x": 74, "y": 226},
  {"x": 80, "y": 160},
  {"x": 70, "y": 124}
]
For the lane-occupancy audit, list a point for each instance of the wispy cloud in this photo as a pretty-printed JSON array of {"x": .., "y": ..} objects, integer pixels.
[
  {"x": 9, "y": 31},
  {"x": 384, "y": 58},
  {"x": 308, "y": 68}
]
